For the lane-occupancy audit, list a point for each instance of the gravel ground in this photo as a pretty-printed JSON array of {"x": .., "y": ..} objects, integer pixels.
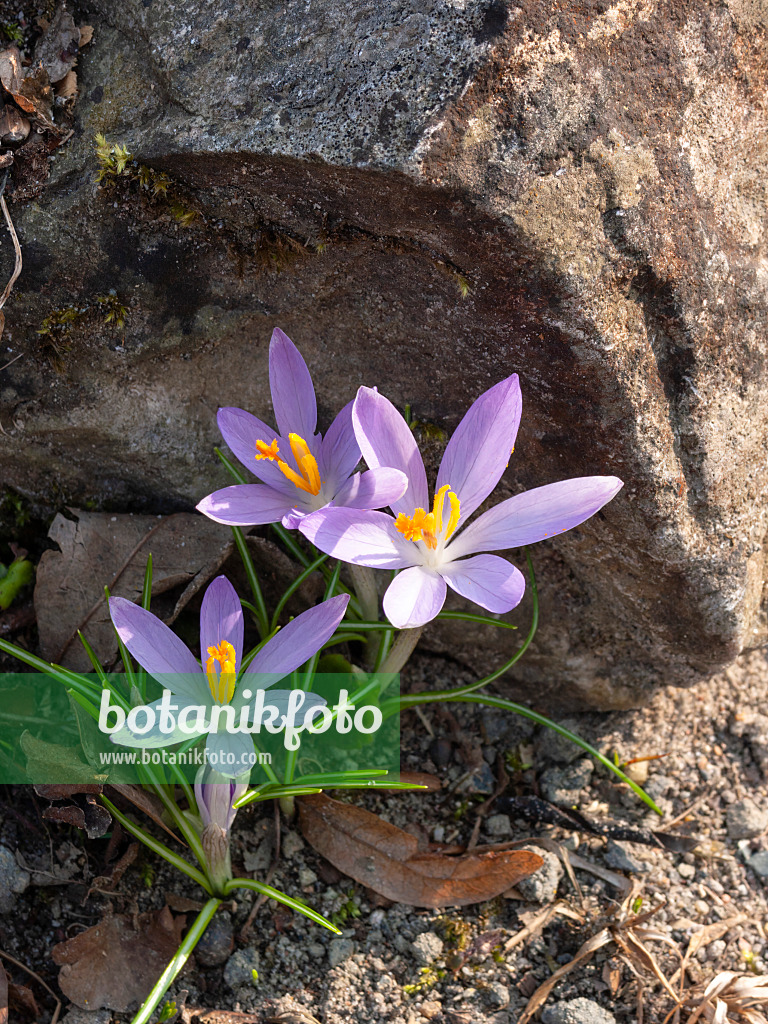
[{"x": 402, "y": 965}]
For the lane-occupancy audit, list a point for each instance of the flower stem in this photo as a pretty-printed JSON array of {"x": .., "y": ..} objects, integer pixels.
[
  {"x": 401, "y": 649},
  {"x": 166, "y": 979},
  {"x": 262, "y": 618}
]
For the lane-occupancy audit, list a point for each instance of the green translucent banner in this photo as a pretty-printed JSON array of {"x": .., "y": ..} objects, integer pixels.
[{"x": 89, "y": 730}]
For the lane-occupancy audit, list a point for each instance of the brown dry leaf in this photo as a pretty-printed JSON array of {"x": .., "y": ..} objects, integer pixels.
[
  {"x": 93, "y": 819},
  {"x": 57, "y": 48},
  {"x": 86, "y": 35},
  {"x": 98, "y": 550},
  {"x": 3, "y": 996},
  {"x": 14, "y": 127},
  {"x": 22, "y": 1000},
  {"x": 11, "y": 71},
  {"x": 67, "y": 87},
  {"x": 389, "y": 861},
  {"x": 114, "y": 964}
]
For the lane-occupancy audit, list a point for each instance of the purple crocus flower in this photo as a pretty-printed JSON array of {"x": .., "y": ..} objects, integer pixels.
[
  {"x": 302, "y": 471},
  {"x": 215, "y": 795},
  {"x": 431, "y": 547},
  {"x": 169, "y": 660}
]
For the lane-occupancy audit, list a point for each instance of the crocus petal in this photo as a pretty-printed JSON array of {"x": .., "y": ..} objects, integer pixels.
[
  {"x": 535, "y": 515},
  {"x": 246, "y": 505},
  {"x": 158, "y": 649},
  {"x": 385, "y": 439},
  {"x": 374, "y": 489},
  {"x": 414, "y": 597},
  {"x": 230, "y": 753},
  {"x": 221, "y": 618},
  {"x": 293, "y": 396},
  {"x": 340, "y": 452},
  {"x": 360, "y": 537},
  {"x": 153, "y": 737},
  {"x": 299, "y": 640},
  {"x": 487, "y": 580},
  {"x": 478, "y": 452},
  {"x": 241, "y": 431}
]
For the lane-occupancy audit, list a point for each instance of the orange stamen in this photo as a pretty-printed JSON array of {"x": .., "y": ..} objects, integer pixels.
[
  {"x": 221, "y": 681},
  {"x": 428, "y": 526},
  {"x": 308, "y": 477}
]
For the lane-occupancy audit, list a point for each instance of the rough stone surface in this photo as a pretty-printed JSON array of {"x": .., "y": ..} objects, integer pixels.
[
  {"x": 541, "y": 886},
  {"x": 564, "y": 785},
  {"x": 594, "y": 172},
  {"x": 427, "y": 947},
  {"x": 498, "y": 825},
  {"x": 577, "y": 1011},
  {"x": 745, "y": 820},
  {"x": 340, "y": 950},
  {"x": 13, "y": 879},
  {"x": 619, "y": 855},
  {"x": 239, "y": 969}
]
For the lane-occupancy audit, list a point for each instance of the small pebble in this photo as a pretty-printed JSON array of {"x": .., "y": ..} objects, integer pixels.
[
  {"x": 496, "y": 995},
  {"x": 427, "y": 948},
  {"x": 240, "y": 967},
  {"x": 431, "y": 1009},
  {"x": 217, "y": 942},
  {"x": 564, "y": 785},
  {"x": 498, "y": 825},
  {"x": 77, "y": 1016},
  {"x": 13, "y": 879},
  {"x": 541, "y": 886},
  {"x": 686, "y": 870},
  {"x": 340, "y": 950},
  {"x": 759, "y": 863},
  {"x": 577, "y": 1011},
  {"x": 619, "y": 856},
  {"x": 745, "y": 820}
]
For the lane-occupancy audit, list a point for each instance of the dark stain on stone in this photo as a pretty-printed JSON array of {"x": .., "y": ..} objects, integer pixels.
[
  {"x": 96, "y": 95},
  {"x": 242, "y": 44},
  {"x": 494, "y": 22},
  {"x": 168, "y": 266}
]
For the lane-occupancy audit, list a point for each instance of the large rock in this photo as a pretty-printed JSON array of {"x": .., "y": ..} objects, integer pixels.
[{"x": 594, "y": 174}]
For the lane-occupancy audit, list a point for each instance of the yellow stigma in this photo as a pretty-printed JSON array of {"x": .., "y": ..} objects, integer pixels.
[
  {"x": 428, "y": 526},
  {"x": 222, "y": 680},
  {"x": 308, "y": 477}
]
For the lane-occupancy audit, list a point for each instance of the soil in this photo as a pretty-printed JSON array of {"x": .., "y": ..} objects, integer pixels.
[{"x": 715, "y": 751}]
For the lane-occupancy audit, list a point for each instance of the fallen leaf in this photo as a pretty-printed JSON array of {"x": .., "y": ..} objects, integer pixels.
[
  {"x": 93, "y": 820},
  {"x": 86, "y": 35},
  {"x": 98, "y": 550},
  {"x": 3, "y": 996},
  {"x": 389, "y": 861},
  {"x": 89, "y": 815},
  {"x": 67, "y": 87},
  {"x": 114, "y": 964},
  {"x": 11, "y": 71},
  {"x": 57, "y": 47},
  {"x": 13, "y": 126},
  {"x": 31, "y": 90},
  {"x": 22, "y": 1000}
]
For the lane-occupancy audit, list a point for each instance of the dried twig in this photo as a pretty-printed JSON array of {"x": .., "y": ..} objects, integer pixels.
[
  {"x": 17, "y": 250},
  {"x": 10, "y": 362}
]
